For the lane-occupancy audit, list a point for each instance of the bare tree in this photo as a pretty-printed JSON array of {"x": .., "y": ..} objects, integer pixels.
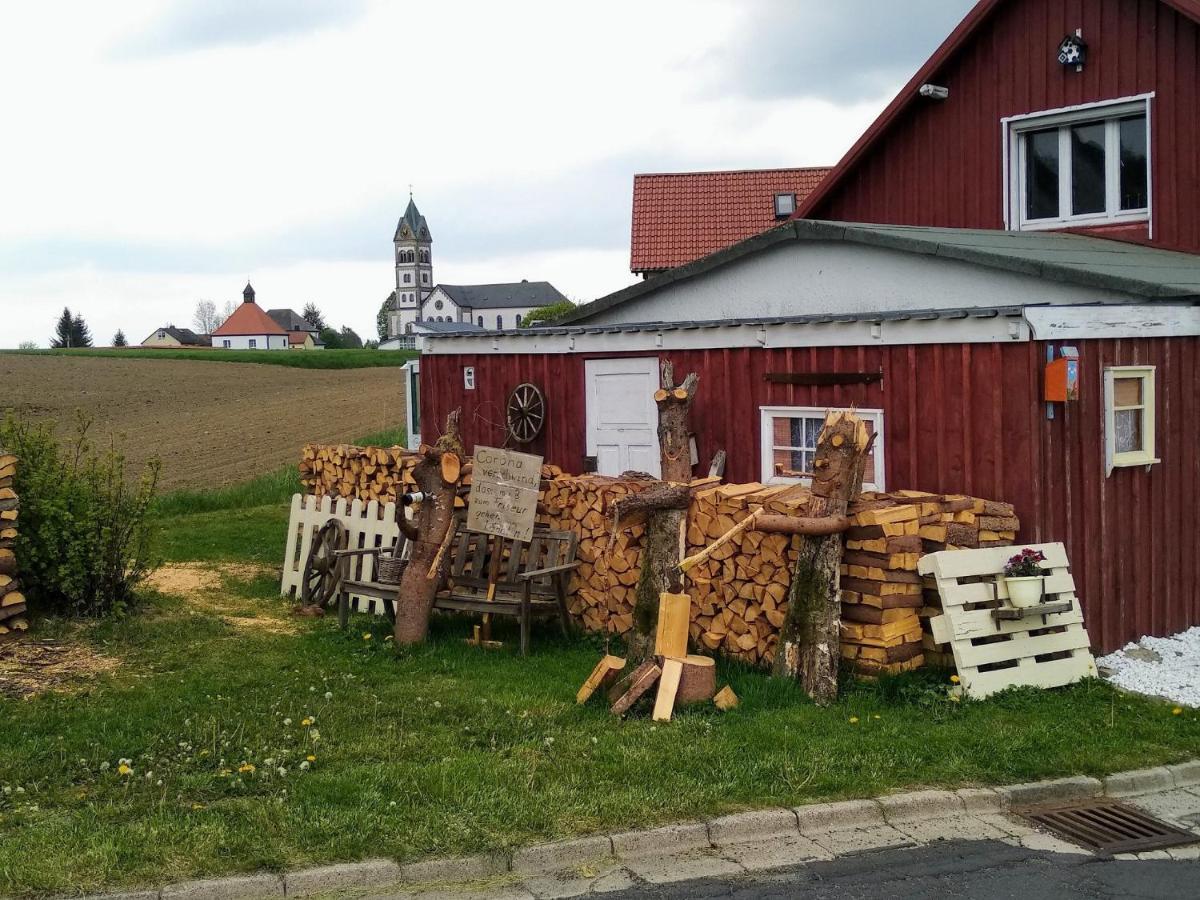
[
  {"x": 205, "y": 320},
  {"x": 230, "y": 306}
]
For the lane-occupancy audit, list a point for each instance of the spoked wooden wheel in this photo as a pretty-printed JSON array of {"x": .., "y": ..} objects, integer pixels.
[
  {"x": 526, "y": 412},
  {"x": 324, "y": 568}
]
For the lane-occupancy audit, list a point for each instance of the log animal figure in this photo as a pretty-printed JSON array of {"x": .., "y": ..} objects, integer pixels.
[
  {"x": 809, "y": 641},
  {"x": 436, "y": 475}
]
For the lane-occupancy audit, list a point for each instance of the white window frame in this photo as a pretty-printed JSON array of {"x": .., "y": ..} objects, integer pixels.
[
  {"x": 1144, "y": 456},
  {"x": 767, "y": 442},
  {"x": 1014, "y": 129}
]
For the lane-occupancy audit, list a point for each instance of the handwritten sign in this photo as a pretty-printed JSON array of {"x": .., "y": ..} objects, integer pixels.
[{"x": 504, "y": 493}]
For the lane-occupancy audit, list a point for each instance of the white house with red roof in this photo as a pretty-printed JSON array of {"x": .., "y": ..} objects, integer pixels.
[{"x": 250, "y": 328}]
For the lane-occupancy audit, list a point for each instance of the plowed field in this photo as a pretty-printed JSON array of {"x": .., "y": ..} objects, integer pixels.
[{"x": 212, "y": 424}]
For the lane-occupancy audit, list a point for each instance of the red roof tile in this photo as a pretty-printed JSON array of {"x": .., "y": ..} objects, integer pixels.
[
  {"x": 679, "y": 217},
  {"x": 249, "y": 318}
]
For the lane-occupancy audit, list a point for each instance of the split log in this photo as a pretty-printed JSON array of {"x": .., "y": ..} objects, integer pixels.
[
  {"x": 640, "y": 680},
  {"x": 674, "y": 434},
  {"x": 434, "y": 520},
  {"x": 809, "y": 644}
]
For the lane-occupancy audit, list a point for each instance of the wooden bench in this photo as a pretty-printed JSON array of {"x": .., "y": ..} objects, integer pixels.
[
  {"x": 530, "y": 579},
  {"x": 379, "y": 581}
]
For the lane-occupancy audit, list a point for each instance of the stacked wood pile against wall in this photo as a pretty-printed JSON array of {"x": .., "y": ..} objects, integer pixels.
[
  {"x": 12, "y": 601},
  {"x": 885, "y": 606},
  {"x": 366, "y": 473},
  {"x": 740, "y": 592}
]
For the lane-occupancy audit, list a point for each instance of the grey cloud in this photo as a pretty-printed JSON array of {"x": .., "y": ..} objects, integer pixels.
[
  {"x": 198, "y": 24},
  {"x": 842, "y": 51}
]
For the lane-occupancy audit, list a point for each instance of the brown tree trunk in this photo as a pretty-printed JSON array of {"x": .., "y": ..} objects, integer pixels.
[
  {"x": 665, "y": 506},
  {"x": 809, "y": 641},
  {"x": 674, "y": 430},
  {"x": 436, "y": 476}
]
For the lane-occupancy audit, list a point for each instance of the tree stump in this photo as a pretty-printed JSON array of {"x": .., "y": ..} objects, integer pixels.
[
  {"x": 674, "y": 435},
  {"x": 699, "y": 680},
  {"x": 436, "y": 477},
  {"x": 809, "y": 642}
]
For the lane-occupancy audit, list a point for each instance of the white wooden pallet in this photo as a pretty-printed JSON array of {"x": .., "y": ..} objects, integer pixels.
[
  {"x": 990, "y": 655},
  {"x": 367, "y": 524}
]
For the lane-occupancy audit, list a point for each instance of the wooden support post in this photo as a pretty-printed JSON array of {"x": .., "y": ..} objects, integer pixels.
[{"x": 809, "y": 643}]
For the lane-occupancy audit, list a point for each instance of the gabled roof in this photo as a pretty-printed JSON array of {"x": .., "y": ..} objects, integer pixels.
[
  {"x": 183, "y": 335},
  {"x": 417, "y": 227},
  {"x": 502, "y": 296},
  {"x": 290, "y": 320},
  {"x": 1070, "y": 258},
  {"x": 248, "y": 318},
  {"x": 682, "y": 216},
  {"x": 909, "y": 94}
]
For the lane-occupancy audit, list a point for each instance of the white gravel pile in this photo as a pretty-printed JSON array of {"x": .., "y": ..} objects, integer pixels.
[{"x": 1174, "y": 675}]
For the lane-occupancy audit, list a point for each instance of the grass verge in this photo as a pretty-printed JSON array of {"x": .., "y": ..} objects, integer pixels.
[{"x": 320, "y": 359}]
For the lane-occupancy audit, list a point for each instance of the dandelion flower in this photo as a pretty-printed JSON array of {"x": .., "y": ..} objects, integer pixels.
[
  {"x": 854, "y": 720},
  {"x": 311, "y": 758},
  {"x": 366, "y": 635},
  {"x": 1177, "y": 711},
  {"x": 954, "y": 698},
  {"x": 124, "y": 769},
  {"x": 246, "y": 768},
  {"x": 197, "y": 806},
  {"x": 306, "y": 721},
  {"x": 954, "y": 679}
]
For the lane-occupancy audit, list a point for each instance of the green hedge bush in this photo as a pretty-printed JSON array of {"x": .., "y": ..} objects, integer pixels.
[{"x": 83, "y": 533}]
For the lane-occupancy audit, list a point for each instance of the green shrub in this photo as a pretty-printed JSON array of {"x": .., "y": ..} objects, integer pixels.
[
  {"x": 83, "y": 532},
  {"x": 548, "y": 315}
]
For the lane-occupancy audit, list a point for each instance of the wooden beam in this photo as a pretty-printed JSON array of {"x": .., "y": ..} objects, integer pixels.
[{"x": 822, "y": 379}]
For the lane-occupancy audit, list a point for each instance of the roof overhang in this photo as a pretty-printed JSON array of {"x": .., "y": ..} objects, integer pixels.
[{"x": 941, "y": 326}]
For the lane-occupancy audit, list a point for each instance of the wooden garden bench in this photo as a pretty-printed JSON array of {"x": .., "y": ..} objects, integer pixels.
[
  {"x": 530, "y": 579},
  {"x": 380, "y": 581}
]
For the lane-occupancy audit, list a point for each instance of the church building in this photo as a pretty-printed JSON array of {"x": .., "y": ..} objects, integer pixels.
[{"x": 418, "y": 301}]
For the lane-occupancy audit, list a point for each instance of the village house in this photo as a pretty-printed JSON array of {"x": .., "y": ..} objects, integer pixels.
[
  {"x": 170, "y": 336},
  {"x": 996, "y": 344},
  {"x": 249, "y": 328},
  {"x": 302, "y": 334},
  {"x": 418, "y": 299}
]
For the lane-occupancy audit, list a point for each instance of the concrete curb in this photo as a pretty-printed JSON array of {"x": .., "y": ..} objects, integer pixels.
[{"x": 745, "y": 829}]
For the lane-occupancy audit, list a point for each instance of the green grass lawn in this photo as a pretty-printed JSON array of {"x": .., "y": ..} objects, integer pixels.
[
  {"x": 313, "y": 359},
  {"x": 445, "y": 749}
]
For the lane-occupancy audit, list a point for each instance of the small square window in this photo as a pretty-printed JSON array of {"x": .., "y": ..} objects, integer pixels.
[
  {"x": 789, "y": 444},
  {"x": 785, "y": 205},
  {"x": 253, "y": 343},
  {"x": 1129, "y": 416}
]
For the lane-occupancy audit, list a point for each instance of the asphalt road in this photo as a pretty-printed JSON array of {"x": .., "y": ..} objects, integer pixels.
[{"x": 971, "y": 870}]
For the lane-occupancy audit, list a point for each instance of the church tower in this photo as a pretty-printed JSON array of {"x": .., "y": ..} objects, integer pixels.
[{"x": 414, "y": 268}]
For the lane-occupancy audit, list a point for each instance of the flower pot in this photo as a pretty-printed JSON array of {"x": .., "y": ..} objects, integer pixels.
[{"x": 1024, "y": 592}]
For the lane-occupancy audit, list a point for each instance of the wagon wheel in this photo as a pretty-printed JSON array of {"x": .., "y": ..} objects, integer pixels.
[
  {"x": 526, "y": 412},
  {"x": 323, "y": 569}
]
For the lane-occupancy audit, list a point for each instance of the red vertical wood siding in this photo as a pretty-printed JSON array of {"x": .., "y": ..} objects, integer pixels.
[
  {"x": 941, "y": 163},
  {"x": 957, "y": 418}
]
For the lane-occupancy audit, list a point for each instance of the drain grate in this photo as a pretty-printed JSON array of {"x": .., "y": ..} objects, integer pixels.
[{"x": 1108, "y": 827}]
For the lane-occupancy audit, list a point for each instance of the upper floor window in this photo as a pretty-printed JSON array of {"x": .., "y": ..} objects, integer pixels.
[
  {"x": 424, "y": 278},
  {"x": 1084, "y": 166},
  {"x": 408, "y": 277},
  {"x": 785, "y": 205},
  {"x": 424, "y": 256}
]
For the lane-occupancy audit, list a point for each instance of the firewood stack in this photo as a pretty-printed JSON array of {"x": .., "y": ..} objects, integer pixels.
[
  {"x": 886, "y": 607},
  {"x": 740, "y": 592},
  {"x": 12, "y": 601},
  {"x": 366, "y": 473}
]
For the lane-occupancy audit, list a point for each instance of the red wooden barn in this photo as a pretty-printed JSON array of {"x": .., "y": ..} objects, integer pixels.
[{"x": 941, "y": 327}]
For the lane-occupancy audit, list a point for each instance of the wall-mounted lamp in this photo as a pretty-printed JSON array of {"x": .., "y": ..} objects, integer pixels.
[{"x": 934, "y": 91}]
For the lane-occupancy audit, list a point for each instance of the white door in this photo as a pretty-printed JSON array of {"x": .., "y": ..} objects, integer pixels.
[{"x": 622, "y": 420}]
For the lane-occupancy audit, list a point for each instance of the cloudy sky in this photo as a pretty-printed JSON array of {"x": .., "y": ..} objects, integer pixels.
[{"x": 157, "y": 153}]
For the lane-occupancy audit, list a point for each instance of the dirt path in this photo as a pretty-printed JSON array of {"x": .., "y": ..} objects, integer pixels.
[{"x": 211, "y": 423}]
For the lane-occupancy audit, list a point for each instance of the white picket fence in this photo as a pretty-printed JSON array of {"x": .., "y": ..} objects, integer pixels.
[
  {"x": 991, "y": 655},
  {"x": 367, "y": 524}
]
